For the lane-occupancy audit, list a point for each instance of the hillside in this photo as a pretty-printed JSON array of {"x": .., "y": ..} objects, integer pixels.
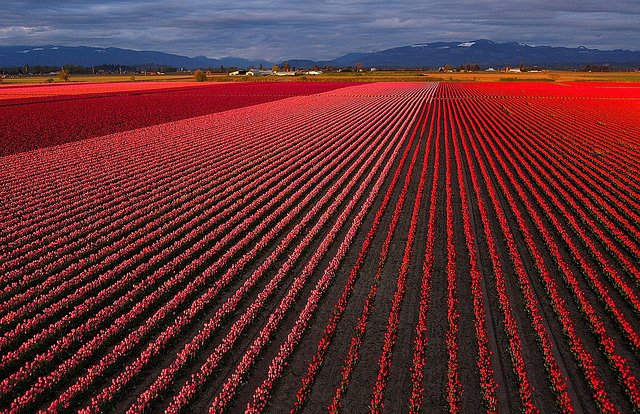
[{"x": 485, "y": 53}]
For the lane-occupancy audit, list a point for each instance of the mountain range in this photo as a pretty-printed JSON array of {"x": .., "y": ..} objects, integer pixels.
[
  {"x": 55, "y": 55},
  {"x": 485, "y": 53}
]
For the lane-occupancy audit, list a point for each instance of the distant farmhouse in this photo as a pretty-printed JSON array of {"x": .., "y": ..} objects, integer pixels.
[
  {"x": 258, "y": 72},
  {"x": 285, "y": 73},
  {"x": 261, "y": 72}
]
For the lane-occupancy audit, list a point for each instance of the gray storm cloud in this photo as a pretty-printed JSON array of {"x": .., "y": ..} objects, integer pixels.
[{"x": 315, "y": 30}]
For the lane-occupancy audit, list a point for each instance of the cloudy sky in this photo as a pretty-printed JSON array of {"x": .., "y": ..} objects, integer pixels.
[{"x": 321, "y": 29}]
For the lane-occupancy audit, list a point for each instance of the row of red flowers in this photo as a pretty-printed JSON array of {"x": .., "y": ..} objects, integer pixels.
[
  {"x": 330, "y": 328},
  {"x": 30, "y": 123},
  {"x": 194, "y": 346},
  {"x": 230, "y": 386},
  {"x": 268, "y": 192},
  {"x": 596, "y": 323}
]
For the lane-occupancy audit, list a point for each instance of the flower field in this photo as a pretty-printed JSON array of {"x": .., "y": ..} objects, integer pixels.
[
  {"x": 320, "y": 247},
  {"x": 39, "y": 116}
]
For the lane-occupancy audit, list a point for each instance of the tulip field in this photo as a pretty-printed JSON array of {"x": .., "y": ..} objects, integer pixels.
[
  {"x": 320, "y": 247},
  {"x": 38, "y": 116}
]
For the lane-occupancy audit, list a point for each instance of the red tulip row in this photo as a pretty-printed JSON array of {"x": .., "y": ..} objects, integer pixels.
[
  {"x": 63, "y": 210},
  {"x": 41, "y": 228},
  {"x": 583, "y": 356},
  {"x": 136, "y": 267},
  {"x": 617, "y": 203},
  {"x": 624, "y": 112},
  {"x": 598, "y": 138},
  {"x": 68, "y": 180},
  {"x": 619, "y": 192},
  {"x": 578, "y": 228},
  {"x": 262, "y": 393},
  {"x": 51, "y": 352},
  {"x": 121, "y": 160},
  {"x": 420, "y": 343},
  {"x": 263, "y": 224},
  {"x": 454, "y": 387},
  {"x": 229, "y": 388},
  {"x": 229, "y": 160},
  {"x": 239, "y": 230},
  {"x": 585, "y": 117},
  {"x": 618, "y": 228},
  {"x": 619, "y": 364},
  {"x": 338, "y": 310},
  {"x": 193, "y": 346},
  {"x": 129, "y": 197},
  {"x": 165, "y": 214},
  {"x": 601, "y": 139},
  {"x": 596, "y": 323},
  {"x": 558, "y": 380},
  {"x": 487, "y": 379},
  {"x": 194, "y": 206},
  {"x": 592, "y": 273},
  {"x": 53, "y": 121},
  {"x": 11, "y": 92},
  {"x": 510, "y": 324},
  {"x": 195, "y": 233},
  {"x": 377, "y": 399},
  {"x": 156, "y": 346},
  {"x": 352, "y": 355}
]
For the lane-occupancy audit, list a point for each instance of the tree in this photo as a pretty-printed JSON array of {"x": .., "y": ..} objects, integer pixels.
[
  {"x": 286, "y": 66},
  {"x": 199, "y": 76},
  {"x": 522, "y": 66},
  {"x": 63, "y": 75},
  {"x": 275, "y": 68}
]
